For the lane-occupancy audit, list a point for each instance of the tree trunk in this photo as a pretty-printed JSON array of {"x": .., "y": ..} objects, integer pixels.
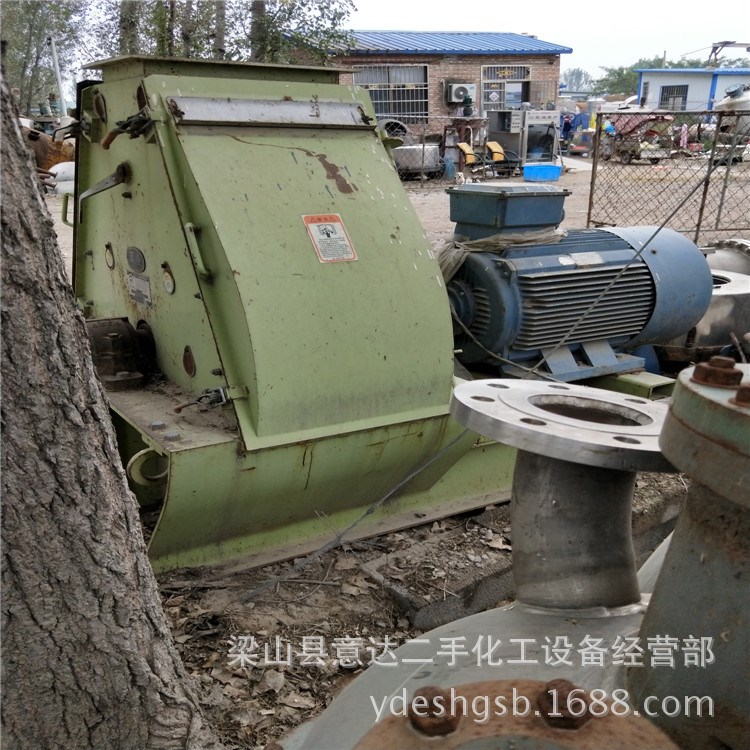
[
  {"x": 187, "y": 29},
  {"x": 88, "y": 660},
  {"x": 170, "y": 26},
  {"x": 257, "y": 30},
  {"x": 128, "y": 26},
  {"x": 220, "y": 30},
  {"x": 163, "y": 15},
  {"x": 32, "y": 55}
]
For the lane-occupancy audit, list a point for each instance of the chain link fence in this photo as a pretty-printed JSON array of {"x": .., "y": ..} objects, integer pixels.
[{"x": 689, "y": 171}]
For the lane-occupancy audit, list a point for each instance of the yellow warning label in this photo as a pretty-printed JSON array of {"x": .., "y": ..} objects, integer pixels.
[{"x": 329, "y": 238}]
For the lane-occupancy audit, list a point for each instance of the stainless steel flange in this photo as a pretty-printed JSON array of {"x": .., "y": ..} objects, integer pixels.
[
  {"x": 570, "y": 422},
  {"x": 579, "y": 450}
]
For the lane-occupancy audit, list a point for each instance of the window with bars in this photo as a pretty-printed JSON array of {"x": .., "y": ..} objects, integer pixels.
[
  {"x": 398, "y": 91},
  {"x": 673, "y": 97},
  {"x": 504, "y": 86}
]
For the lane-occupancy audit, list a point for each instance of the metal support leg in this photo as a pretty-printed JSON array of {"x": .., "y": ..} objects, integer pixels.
[
  {"x": 701, "y": 600},
  {"x": 572, "y": 543},
  {"x": 579, "y": 451}
]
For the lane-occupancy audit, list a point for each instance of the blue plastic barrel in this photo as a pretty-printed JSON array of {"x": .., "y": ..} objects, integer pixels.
[{"x": 450, "y": 168}]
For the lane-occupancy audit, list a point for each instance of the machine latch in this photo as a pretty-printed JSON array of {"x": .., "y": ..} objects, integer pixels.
[
  {"x": 236, "y": 392},
  {"x": 136, "y": 125},
  {"x": 209, "y": 397},
  {"x": 120, "y": 176}
]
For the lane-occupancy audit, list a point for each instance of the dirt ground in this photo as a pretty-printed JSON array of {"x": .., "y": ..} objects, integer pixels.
[
  {"x": 337, "y": 612},
  {"x": 431, "y": 202},
  {"x": 340, "y": 610}
]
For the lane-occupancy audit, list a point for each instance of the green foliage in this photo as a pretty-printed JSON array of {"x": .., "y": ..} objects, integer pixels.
[
  {"x": 312, "y": 28},
  {"x": 735, "y": 62},
  {"x": 617, "y": 81},
  {"x": 220, "y": 28},
  {"x": 89, "y": 30},
  {"x": 26, "y": 25},
  {"x": 624, "y": 80},
  {"x": 165, "y": 28},
  {"x": 577, "y": 79}
]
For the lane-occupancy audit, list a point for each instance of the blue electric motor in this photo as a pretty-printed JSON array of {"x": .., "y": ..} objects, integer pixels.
[{"x": 581, "y": 305}]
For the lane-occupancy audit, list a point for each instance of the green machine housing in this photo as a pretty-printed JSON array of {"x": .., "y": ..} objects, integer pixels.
[{"x": 265, "y": 313}]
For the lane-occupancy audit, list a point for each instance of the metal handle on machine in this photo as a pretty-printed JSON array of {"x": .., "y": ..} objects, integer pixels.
[
  {"x": 191, "y": 232},
  {"x": 121, "y": 175},
  {"x": 64, "y": 210}
]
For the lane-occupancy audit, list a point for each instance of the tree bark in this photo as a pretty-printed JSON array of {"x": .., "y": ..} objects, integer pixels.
[
  {"x": 163, "y": 25},
  {"x": 220, "y": 30},
  {"x": 128, "y": 26},
  {"x": 32, "y": 56},
  {"x": 187, "y": 29},
  {"x": 170, "y": 25},
  {"x": 257, "y": 29},
  {"x": 88, "y": 660}
]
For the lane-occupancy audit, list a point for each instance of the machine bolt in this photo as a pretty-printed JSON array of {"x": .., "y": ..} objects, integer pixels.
[
  {"x": 724, "y": 363},
  {"x": 172, "y": 436},
  {"x": 561, "y": 705},
  {"x": 719, "y": 372},
  {"x": 158, "y": 425},
  {"x": 742, "y": 397},
  {"x": 429, "y": 712}
]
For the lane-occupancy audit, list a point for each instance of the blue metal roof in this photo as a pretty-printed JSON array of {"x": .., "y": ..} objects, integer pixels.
[
  {"x": 451, "y": 43},
  {"x": 705, "y": 71}
]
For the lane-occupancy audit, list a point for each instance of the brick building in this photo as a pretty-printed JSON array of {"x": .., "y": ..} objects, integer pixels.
[
  {"x": 417, "y": 76},
  {"x": 439, "y": 91}
]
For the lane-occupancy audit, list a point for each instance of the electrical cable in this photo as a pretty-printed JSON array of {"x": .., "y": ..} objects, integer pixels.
[{"x": 338, "y": 539}]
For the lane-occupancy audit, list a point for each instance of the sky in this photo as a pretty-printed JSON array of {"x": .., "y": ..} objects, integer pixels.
[{"x": 601, "y": 34}]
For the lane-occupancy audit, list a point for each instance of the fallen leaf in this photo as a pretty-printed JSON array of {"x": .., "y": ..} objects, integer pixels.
[
  {"x": 222, "y": 675},
  {"x": 272, "y": 681},
  {"x": 246, "y": 717},
  {"x": 396, "y": 573},
  {"x": 345, "y": 563},
  {"x": 215, "y": 697},
  {"x": 499, "y": 544},
  {"x": 295, "y": 700},
  {"x": 362, "y": 582},
  {"x": 351, "y": 590},
  {"x": 231, "y": 691}
]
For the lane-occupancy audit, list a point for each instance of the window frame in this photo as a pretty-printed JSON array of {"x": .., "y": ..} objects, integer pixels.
[
  {"x": 405, "y": 100},
  {"x": 668, "y": 94}
]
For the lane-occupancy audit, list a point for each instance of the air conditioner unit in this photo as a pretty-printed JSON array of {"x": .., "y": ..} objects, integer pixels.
[{"x": 457, "y": 92}]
